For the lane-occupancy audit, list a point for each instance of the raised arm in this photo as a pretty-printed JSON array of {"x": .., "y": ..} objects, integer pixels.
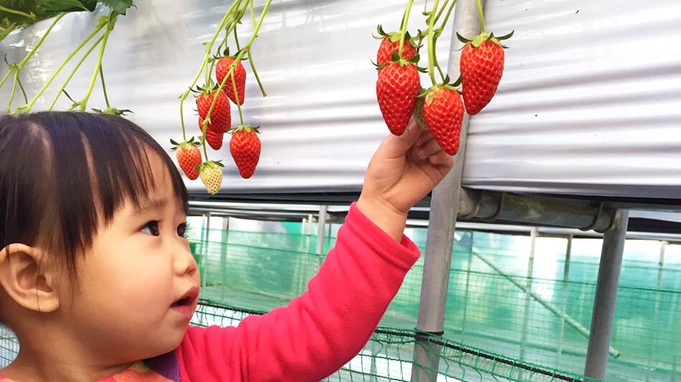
[{"x": 326, "y": 326}]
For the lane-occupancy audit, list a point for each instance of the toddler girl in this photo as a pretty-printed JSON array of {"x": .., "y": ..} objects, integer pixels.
[{"x": 99, "y": 284}]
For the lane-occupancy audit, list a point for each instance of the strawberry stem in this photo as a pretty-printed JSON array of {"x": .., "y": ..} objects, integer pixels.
[
  {"x": 238, "y": 57},
  {"x": 29, "y": 16},
  {"x": 403, "y": 27},
  {"x": 482, "y": 17},
  {"x": 23, "y": 62},
  {"x": 110, "y": 26},
  {"x": 431, "y": 44},
  {"x": 75, "y": 69},
  {"x": 255, "y": 73},
  {"x": 102, "y": 23},
  {"x": 106, "y": 96}
]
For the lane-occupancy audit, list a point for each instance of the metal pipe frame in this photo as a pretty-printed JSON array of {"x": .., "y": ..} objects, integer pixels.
[
  {"x": 442, "y": 221},
  {"x": 606, "y": 297}
]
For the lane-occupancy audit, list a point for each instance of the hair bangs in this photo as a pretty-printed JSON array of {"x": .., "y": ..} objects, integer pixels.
[{"x": 95, "y": 163}]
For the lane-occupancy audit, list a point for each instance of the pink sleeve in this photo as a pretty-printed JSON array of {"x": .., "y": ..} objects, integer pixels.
[{"x": 319, "y": 331}]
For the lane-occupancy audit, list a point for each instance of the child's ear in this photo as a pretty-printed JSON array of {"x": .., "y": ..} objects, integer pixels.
[{"x": 26, "y": 280}]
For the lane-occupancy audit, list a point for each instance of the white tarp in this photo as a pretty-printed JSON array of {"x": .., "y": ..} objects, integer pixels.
[{"x": 588, "y": 103}]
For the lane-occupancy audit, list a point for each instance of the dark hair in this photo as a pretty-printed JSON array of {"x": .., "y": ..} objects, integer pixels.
[{"x": 62, "y": 173}]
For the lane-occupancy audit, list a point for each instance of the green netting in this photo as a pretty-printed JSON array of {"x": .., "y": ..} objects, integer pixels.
[
  {"x": 535, "y": 310},
  {"x": 510, "y": 316}
]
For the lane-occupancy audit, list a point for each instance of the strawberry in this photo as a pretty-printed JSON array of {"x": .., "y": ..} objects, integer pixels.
[
  {"x": 443, "y": 113},
  {"x": 418, "y": 111},
  {"x": 214, "y": 139},
  {"x": 211, "y": 175},
  {"x": 220, "y": 117},
  {"x": 245, "y": 148},
  {"x": 390, "y": 42},
  {"x": 397, "y": 86},
  {"x": 188, "y": 157},
  {"x": 221, "y": 129},
  {"x": 222, "y": 69},
  {"x": 482, "y": 65}
]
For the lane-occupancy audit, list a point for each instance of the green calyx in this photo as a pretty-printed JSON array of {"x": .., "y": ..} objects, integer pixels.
[
  {"x": 246, "y": 128},
  {"x": 484, "y": 36},
  {"x": 177, "y": 145}
]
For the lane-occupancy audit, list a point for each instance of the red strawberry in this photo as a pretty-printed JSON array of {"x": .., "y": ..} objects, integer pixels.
[
  {"x": 397, "y": 86},
  {"x": 188, "y": 157},
  {"x": 443, "y": 113},
  {"x": 221, "y": 129},
  {"x": 221, "y": 71},
  {"x": 220, "y": 117},
  {"x": 211, "y": 176},
  {"x": 245, "y": 147},
  {"x": 481, "y": 65},
  {"x": 390, "y": 42},
  {"x": 214, "y": 139}
]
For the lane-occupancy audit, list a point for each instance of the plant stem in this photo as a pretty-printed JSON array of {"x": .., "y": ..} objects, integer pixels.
[
  {"x": 403, "y": 27},
  {"x": 98, "y": 66},
  {"x": 239, "y": 56},
  {"x": 14, "y": 88},
  {"x": 61, "y": 66},
  {"x": 101, "y": 78},
  {"x": 75, "y": 69},
  {"x": 255, "y": 73},
  {"x": 482, "y": 17},
  {"x": 21, "y": 64},
  {"x": 431, "y": 44},
  {"x": 18, "y": 13},
  {"x": 209, "y": 49},
  {"x": 236, "y": 96},
  {"x": 23, "y": 91}
]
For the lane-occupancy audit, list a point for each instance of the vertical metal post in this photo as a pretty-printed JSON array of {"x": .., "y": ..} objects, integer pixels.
[
  {"x": 563, "y": 309},
  {"x": 528, "y": 292},
  {"x": 205, "y": 239},
  {"x": 444, "y": 208},
  {"x": 651, "y": 337},
  {"x": 321, "y": 230},
  {"x": 468, "y": 287},
  {"x": 606, "y": 297},
  {"x": 224, "y": 248}
]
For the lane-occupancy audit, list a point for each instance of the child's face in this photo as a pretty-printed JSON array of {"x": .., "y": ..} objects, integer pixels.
[{"x": 138, "y": 284}]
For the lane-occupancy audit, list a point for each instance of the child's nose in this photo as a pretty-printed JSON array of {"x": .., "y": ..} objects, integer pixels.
[{"x": 185, "y": 262}]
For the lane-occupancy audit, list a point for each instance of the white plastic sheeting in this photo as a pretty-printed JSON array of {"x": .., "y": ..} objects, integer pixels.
[{"x": 588, "y": 103}]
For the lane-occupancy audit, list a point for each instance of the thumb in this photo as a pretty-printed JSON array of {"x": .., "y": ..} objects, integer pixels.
[{"x": 399, "y": 145}]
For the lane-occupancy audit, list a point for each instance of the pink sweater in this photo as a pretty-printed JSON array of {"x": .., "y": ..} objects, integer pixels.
[{"x": 316, "y": 334}]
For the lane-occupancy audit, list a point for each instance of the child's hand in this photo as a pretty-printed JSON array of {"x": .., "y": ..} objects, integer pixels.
[{"x": 402, "y": 171}]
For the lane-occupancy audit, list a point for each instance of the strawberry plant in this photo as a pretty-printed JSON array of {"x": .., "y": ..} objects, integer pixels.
[
  {"x": 18, "y": 14},
  {"x": 224, "y": 83}
]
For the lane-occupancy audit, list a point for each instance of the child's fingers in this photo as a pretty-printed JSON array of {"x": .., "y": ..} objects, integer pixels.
[
  {"x": 399, "y": 145},
  {"x": 442, "y": 159},
  {"x": 427, "y": 148}
]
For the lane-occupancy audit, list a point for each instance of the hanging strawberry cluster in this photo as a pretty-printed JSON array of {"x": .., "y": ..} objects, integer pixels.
[
  {"x": 224, "y": 84},
  {"x": 440, "y": 107}
]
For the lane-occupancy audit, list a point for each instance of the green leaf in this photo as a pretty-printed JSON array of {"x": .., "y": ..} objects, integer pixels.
[
  {"x": 49, "y": 6},
  {"x": 119, "y": 6},
  {"x": 6, "y": 30}
]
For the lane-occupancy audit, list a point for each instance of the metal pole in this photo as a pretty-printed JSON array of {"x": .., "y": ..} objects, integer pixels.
[
  {"x": 528, "y": 292},
  {"x": 606, "y": 297},
  {"x": 444, "y": 208},
  {"x": 321, "y": 231},
  {"x": 566, "y": 277},
  {"x": 651, "y": 338},
  {"x": 205, "y": 239}
]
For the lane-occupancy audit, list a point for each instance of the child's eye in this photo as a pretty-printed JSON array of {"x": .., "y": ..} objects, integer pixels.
[
  {"x": 151, "y": 228},
  {"x": 182, "y": 230}
]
